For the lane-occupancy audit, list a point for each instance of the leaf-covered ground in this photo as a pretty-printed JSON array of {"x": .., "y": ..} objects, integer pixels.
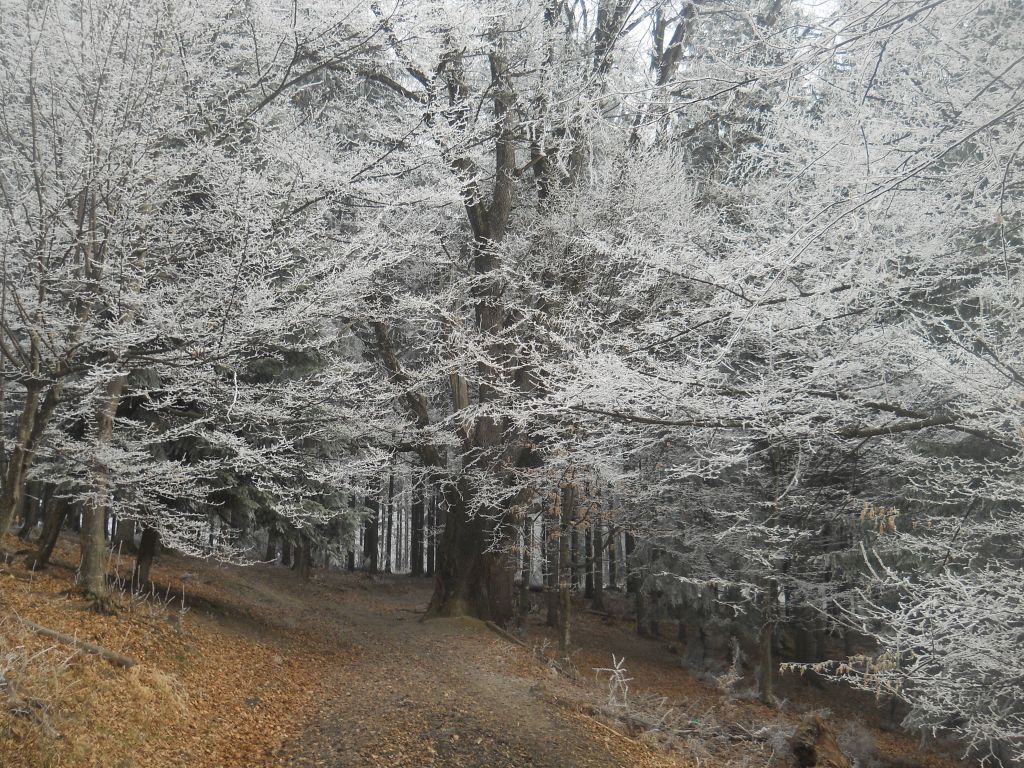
[{"x": 262, "y": 669}]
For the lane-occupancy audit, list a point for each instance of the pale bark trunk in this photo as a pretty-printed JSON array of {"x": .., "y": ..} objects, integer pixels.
[{"x": 92, "y": 573}]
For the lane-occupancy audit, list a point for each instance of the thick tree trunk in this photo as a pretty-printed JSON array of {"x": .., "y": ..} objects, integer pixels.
[
  {"x": 565, "y": 570},
  {"x": 416, "y": 549},
  {"x": 470, "y": 579},
  {"x": 56, "y": 513},
  {"x": 144, "y": 559},
  {"x": 93, "y": 569}
]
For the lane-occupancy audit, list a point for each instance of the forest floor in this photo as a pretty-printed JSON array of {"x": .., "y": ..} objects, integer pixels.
[{"x": 254, "y": 667}]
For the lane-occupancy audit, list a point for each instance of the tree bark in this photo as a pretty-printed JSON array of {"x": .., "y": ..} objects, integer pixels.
[
  {"x": 597, "y": 602},
  {"x": 17, "y": 462},
  {"x": 371, "y": 535},
  {"x": 144, "y": 559},
  {"x": 286, "y": 552},
  {"x": 524, "y": 584},
  {"x": 93, "y": 569},
  {"x": 390, "y": 522},
  {"x": 272, "y": 540},
  {"x": 551, "y": 575},
  {"x": 565, "y": 570},
  {"x": 769, "y": 605},
  {"x": 588, "y": 571},
  {"x": 430, "y": 539},
  {"x": 613, "y": 565},
  {"x": 56, "y": 514},
  {"x": 471, "y": 578},
  {"x": 416, "y": 548},
  {"x": 124, "y": 536}
]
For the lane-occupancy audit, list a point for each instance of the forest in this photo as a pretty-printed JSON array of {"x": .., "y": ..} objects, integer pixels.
[{"x": 418, "y": 361}]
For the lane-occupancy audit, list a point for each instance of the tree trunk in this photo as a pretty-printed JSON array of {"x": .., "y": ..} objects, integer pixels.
[
  {"x": 17, "y": 462},
  {"x": 124, "y": 536},
  {"x": 769, "y": 605},
  {"x": 272, "y": 540},
  {"x": 551, "y": 575},
  {"x": 286, "y": 552},
  {"x": 574, "y": 547},
  {"x": 565, "y": 569},
  {"x": 632, "y": 572},
  {"x": 588, "y": 563},
  {"x": 431, "y": 531},
  {"x": 471, "y": 580},
  {"x": 524, "y": 585},
  {"x": 371, "y": 536},
  {"x": 29, "y": 506},
  {"x": 56, "y": 513},
  {"x": 92, "y": 572},
  {"x": 613, "y": 565},
  {"x": 416, "y": 553},
  {"x": 304, "y": 557},
  {"x": 144, "y": 559},
  {"x": 390, "y": 522},
  {"x": 598, "y": 568}
]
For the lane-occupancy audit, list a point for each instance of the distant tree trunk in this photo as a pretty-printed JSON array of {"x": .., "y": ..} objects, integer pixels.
[
  {"x": 286, "y": 552},
  {"x": 18, "y": 461},
  {"x": 524, "y": 585},
  {"x": 92, "y": 571},
  {"x": 632, "y": 572},
  {"x": 565, "y": 569},
  {"x": 53, "y": 521},
  {"x": 124, "y": 535},
  {"x": 304, "y": 557},
  {"x": 350, "y": 561},
  {"x": 371, "y": 534},
  {"x": 550, "y": 544},
  {"x": 613, "y": 566},
  {"x": 273, "y": 537},
  {"x": 416, "y": 550},
  {"x": 148, "y": 545},
  {"x": 574, "y": 545},
  {"x": 769, "y": 607},
  {"x": 31, "y": 503},
  {"x": 431, "y": 527},
  {"x": 598, "y": 568},
  {"x": 588, "y": 563},
  {"x": 391, "y": 516}
]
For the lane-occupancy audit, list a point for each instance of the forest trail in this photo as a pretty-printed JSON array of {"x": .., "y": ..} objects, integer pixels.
[
  {"x": 444, "y": 692},
  {"x": 262, "y": 669}
]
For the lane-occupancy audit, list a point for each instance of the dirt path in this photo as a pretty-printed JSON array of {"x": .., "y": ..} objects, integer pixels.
[{"x": 441, "y": 693}]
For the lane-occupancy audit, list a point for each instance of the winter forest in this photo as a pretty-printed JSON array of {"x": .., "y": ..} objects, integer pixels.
[{"x": 512, "y": 382}]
